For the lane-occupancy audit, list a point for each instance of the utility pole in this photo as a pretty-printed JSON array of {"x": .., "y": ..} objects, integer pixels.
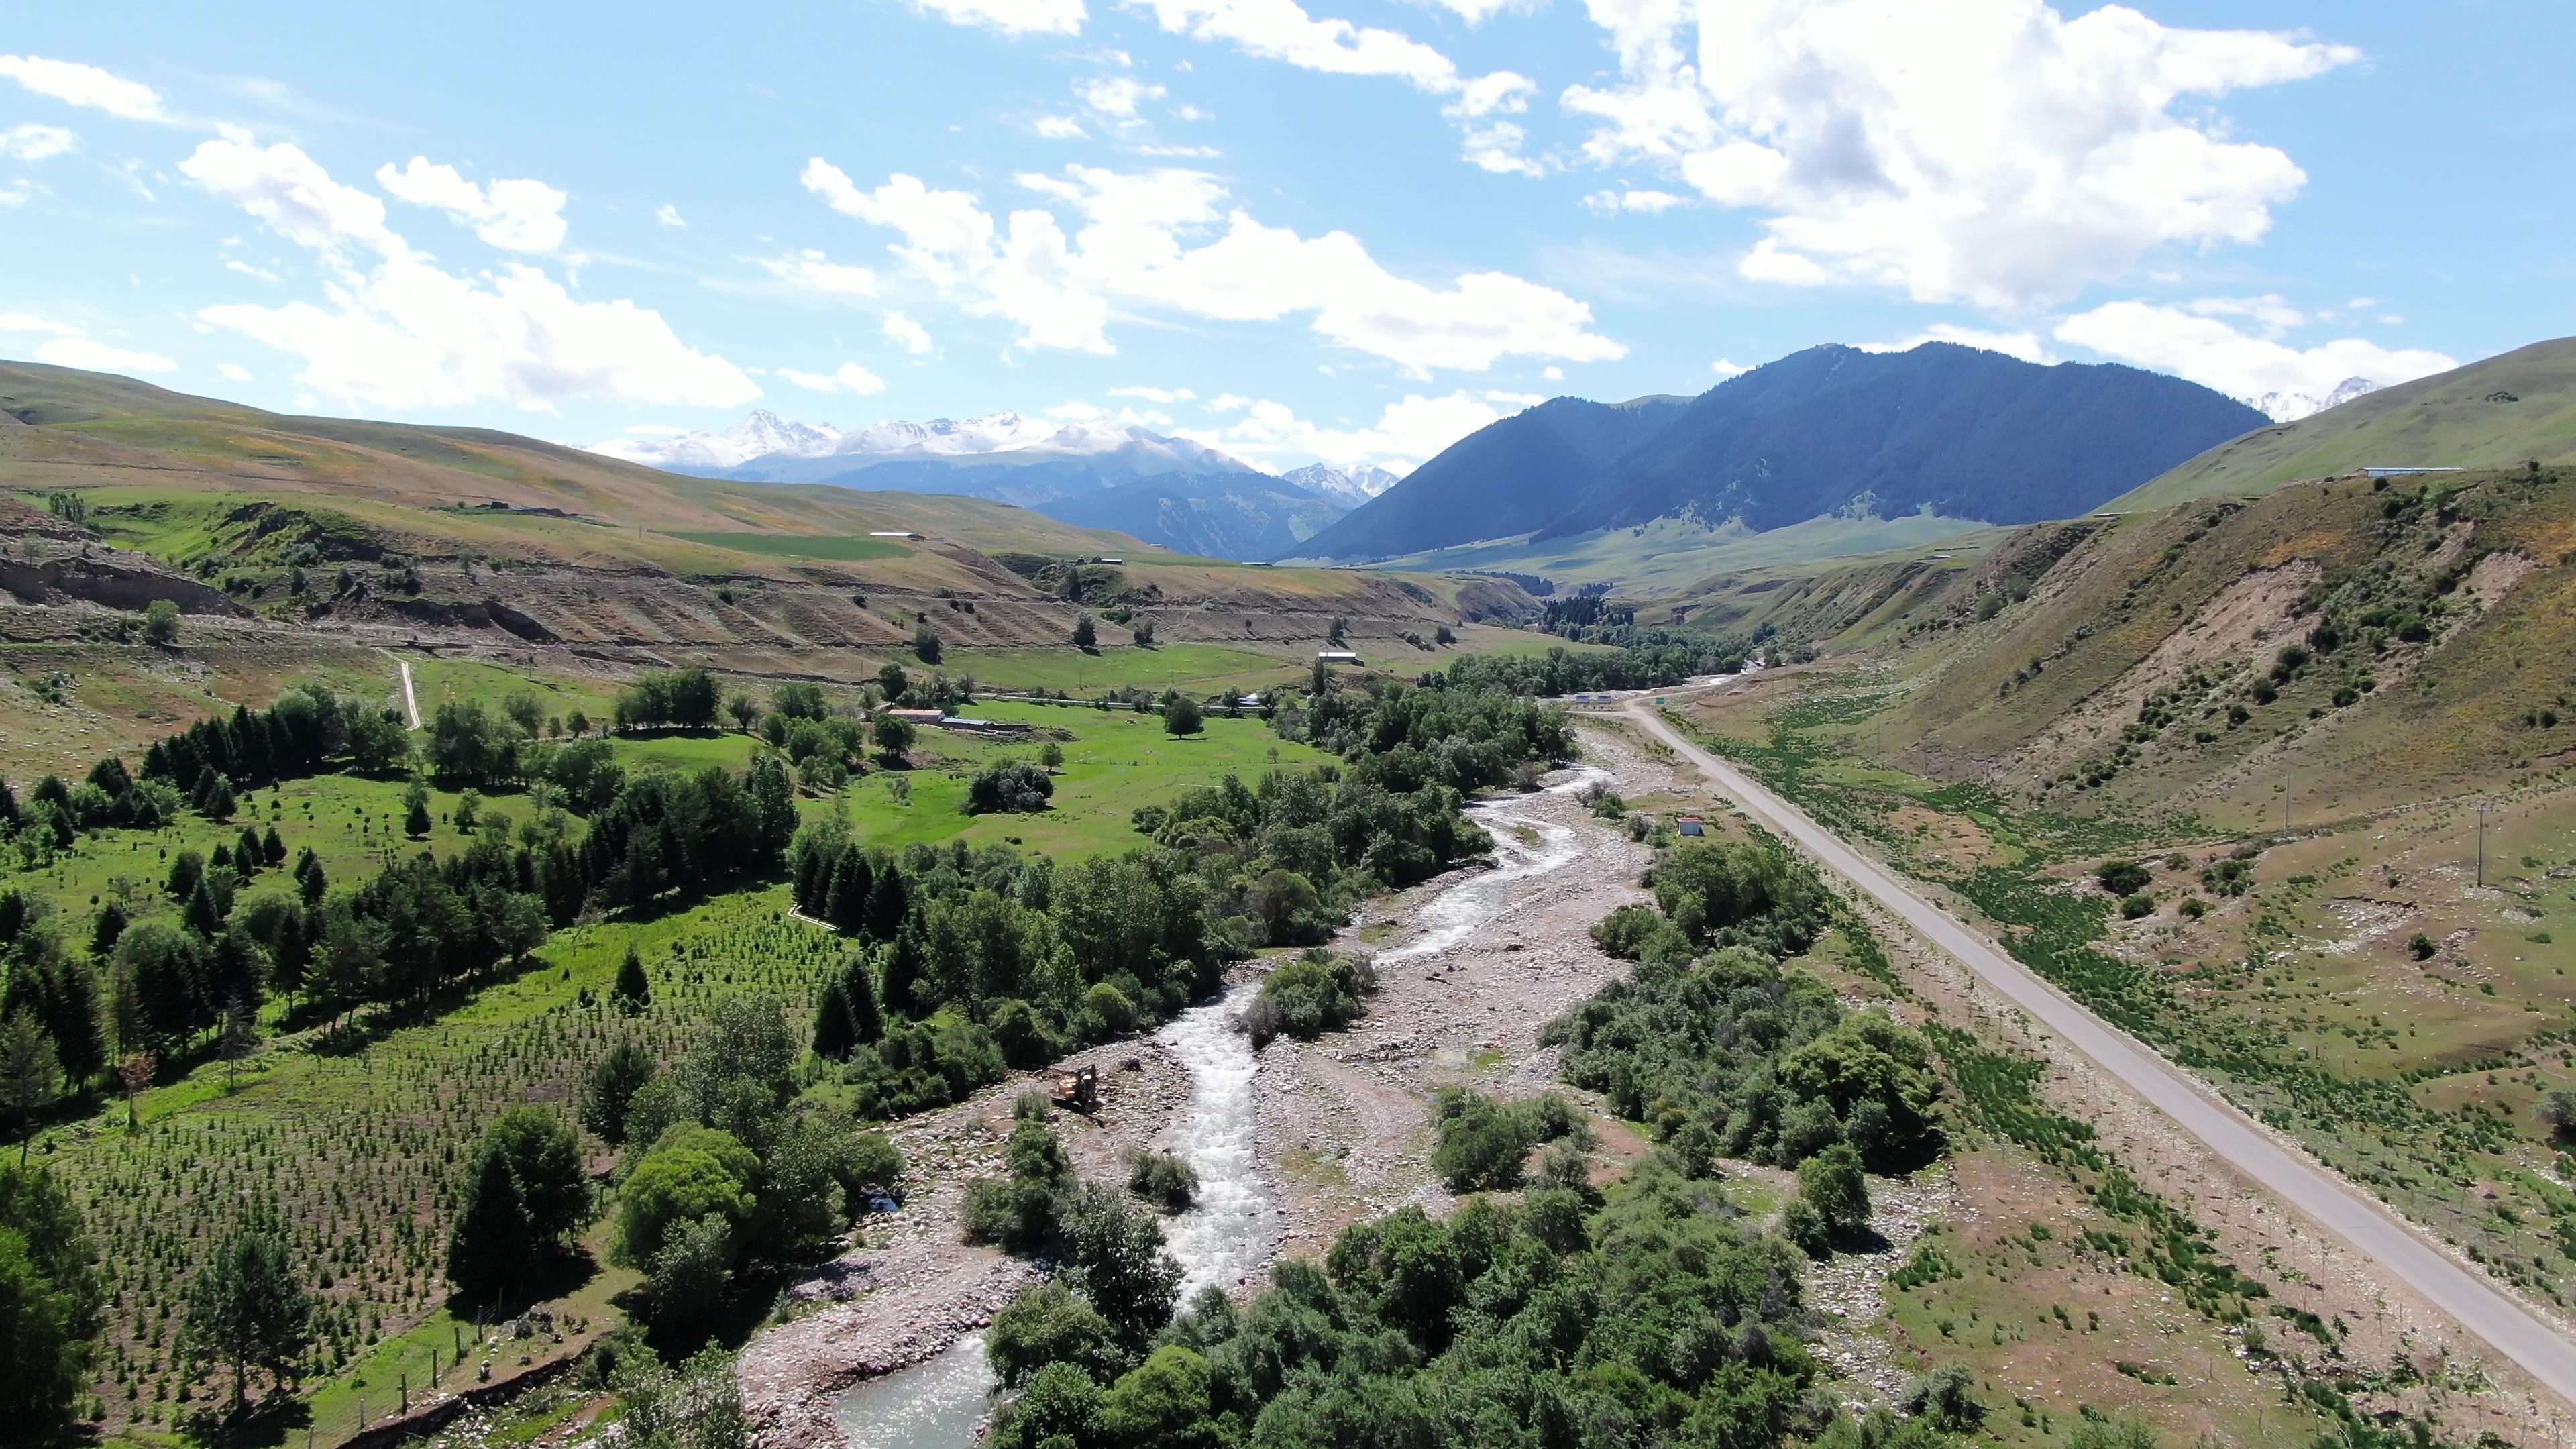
[{"x": 2482, "y": 844}]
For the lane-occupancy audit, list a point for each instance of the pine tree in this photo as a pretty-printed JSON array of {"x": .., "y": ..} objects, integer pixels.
[
  {"x": 112, "y": 921},
  {"x": 217, "y": 802},
  {"x": 28, "y": 1073},
  {"x": 846, "y": 905},
  {"x": 272, "y": 848},
  {"x": 904, "y": 967},
  {"x": 246, "y": 1310},
  {"x": 416, "y": 821},
  {"x": 634, "y": 990},
  {"x": 186, "y": 869},
  {"x": 310, "y": 882},
  {"x": 612, "y": 1085},
  {"x": 68, "y": 1007},
  {"x": 203, "y": 913},
  {"x": 493, "y": 1238},
  {"x": 834, "y": 1031},
  {"x": 248, "y": 855},
  {"x": 889, "y": 901},
  {"x": 859, "y": 988}
]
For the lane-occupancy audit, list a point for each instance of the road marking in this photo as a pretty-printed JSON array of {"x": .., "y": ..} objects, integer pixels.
[{"x": 2318, "y": 1195}]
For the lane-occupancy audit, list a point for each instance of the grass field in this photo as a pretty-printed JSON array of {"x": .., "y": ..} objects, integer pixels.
[
  {"x": 1199, "y": 668},
  {"x": 1669, "y": 555},
  {"x": 839, "y": 548}
]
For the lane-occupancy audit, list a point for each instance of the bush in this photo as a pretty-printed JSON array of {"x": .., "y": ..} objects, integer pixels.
[
  {"x": 1009, "y": 787},
  {"x": 1163, "y": 1180},
  {"x": 2138, "y": 906},
  {"x": 1047, "y": 1324},
  {"x": 2192, "y": 908},
  {"x": 2421, "y": 947},
  {"x": 1320, "y": 991},
  {"x": 2122, "y": 877},
  {"x": 1483, "y": 1142},
  {"x": 1181, "y": 716},
  {"x": 1831, "y": 1183},
  {"x": 161, "y": 622}
]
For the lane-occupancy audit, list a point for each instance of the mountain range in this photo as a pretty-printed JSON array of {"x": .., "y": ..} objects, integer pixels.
[
  {"x": 1954, "y": 432},
  {"x": 1164, "y": 490}
]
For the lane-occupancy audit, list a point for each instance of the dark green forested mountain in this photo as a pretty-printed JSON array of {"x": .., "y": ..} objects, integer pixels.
[{"x": 1958, "y": 431}]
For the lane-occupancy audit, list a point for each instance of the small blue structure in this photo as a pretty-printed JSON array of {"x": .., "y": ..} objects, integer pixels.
[{"x": 1690, "y": 825}]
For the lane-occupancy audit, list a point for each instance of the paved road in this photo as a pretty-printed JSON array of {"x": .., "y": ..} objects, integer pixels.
[{"x": 2324, "y": 1199}]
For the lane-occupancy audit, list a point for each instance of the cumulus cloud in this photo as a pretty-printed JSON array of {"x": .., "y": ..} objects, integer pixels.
[
  {"x": 811, "y": 271},
  {"x": 1987, "y": 151},
  {"x": 516, "y": 216},
  {"x": 1611, "y": 203},
  {"x": 1011, "y": 17},
  {"x": 1059, "y": 128},
  {"x": 33, "y": 142},
  {"x": 907, "y": 334},
  {"x": 1164, "y": 395},
  {"x": 668, "y": 215},
  {"x": 849, "y": 377},
  {"x": 2025, "y": 345},
  {"x": 233, "y": 371},
  {"x": 1404, "y": 435},
  {"x": 1726, "y": 367},
  {"x": 29, "y": 322},
  {"x": 394, "y": 330},
  {"x": 1117, "y": 96},
  {"x": 2195, "y": 340},
  {"x": 85, "y": 85},
  {"x": 1283, "y": 30},
  {"x": 1171, "y": 239},
  {"x": 97, "y": 356}
]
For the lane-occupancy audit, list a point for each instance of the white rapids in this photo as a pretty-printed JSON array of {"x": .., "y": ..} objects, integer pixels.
[
  {"x": 1457, "y": 913},
  {"x": 936, "y": 1404},
  {"x": 1229, "y": 1230}
]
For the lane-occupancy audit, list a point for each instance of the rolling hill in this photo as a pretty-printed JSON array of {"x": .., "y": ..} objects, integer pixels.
[
  {"x": 2513, "y": 408},
  {"x": 1952, "y": 432}
]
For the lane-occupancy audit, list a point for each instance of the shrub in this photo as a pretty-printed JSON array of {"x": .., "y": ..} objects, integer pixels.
[
  {"x": 2421, "y": 946},
  {"x": 2558, "y": 1114},
  {"x": 161, "y": 622},
  {"x": 2137, "y": 906},
  {"x": 1009, "y": 787},
  {"x": 1047, "y": 1324},
  {"x": 2193, "y": 908},
  {"x": 1318, "y": 992},
  {"x": 1181, "y": 716},
  {"x": 1163, "y": 1180},
  {"x": 1831, "y": 1183},
  {"x": 2122, "y": 877},
  {"x": 1483, "y": 1142}
]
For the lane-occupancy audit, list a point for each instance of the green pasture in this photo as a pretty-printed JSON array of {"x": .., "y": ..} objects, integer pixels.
[{"x": 833, "y": 547}]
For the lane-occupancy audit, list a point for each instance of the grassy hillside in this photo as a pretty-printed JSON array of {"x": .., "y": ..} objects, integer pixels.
[
  {"x": 327, "y": 541},
  {"x": 2510, "y": 409},
  {"x": 1669, "y": 555}
]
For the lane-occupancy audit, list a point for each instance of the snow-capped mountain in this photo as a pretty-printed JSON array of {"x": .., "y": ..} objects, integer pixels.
[
  {"x": 766, "y": 446},
  {"x": 756, "y": 436},
  {"x": 1348, "y": 486},
  {"x": 2289, "y": 407}
]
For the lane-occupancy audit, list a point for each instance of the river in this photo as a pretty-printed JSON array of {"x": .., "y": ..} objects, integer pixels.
[{"x": 1231, "y": 1228}]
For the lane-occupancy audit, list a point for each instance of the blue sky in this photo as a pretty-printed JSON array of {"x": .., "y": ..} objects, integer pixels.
[{"x": 1346, "y": 229}]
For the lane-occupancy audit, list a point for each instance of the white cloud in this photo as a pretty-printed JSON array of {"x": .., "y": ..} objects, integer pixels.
[
  {"x": 34, "y": 142},
  {"x": 1405, "y": 433},
  {"x": 2025, "y": 345},
  {"x": 907, "y": 334},
  {"x": 1164, "y": 395},
  {"x": 1477, "y": 12},
  {"x": 1226, "y": 402},
  {"x": 2192, "y": 342},
  {"x": 849, "y": 377},
  {"x": 1726, "y": 367},
  {"x": 516, "y": 216},
  {"x": 1987, "y": 151},
  {"x": 669, "y": 215},
  {"x": 1117, "y": 96},
  {"x": 28, "y": 322},
  {"x": 84, "y": 85},
  {"x": 97, "y": 356},
  {"x": 813, "y": 272},
  {"x": 1496, "y": 146},
  {"x": 1611, "y": 203},
  {"x": 233, "y": 371},
  {"x": 1059, "y": 128},
  {"x": 16, "y": 193},
  {"x": 655, "y": 430},
  {"x": 235, "y": 264},
  {"x": 1552, "y": 374},
  {"x": 291, "y": 194},
  {"x": 396, "y": 331},
  {"x": 1167, "y": 238},
  {"x": 1282, "y": 30},
  {"x": 1011, "y": 17}
]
